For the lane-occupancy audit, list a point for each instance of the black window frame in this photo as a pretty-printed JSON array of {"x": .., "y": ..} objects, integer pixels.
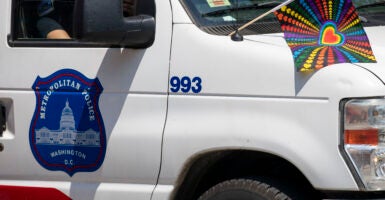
[
  {"x": 144, "y": 7},
  {"x": 14, "y": 41}
]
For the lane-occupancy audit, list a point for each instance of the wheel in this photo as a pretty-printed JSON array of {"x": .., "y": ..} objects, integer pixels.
[{"x": 243, "y": 189}]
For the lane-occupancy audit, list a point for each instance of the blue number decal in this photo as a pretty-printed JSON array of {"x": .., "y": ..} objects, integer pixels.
[
  {"x": 198, "y": 85},
  {"x": 175, "y": 84},
  {"x": 186, "y": 84}
]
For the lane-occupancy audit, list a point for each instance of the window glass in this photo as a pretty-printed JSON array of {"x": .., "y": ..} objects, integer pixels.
[
  {"x": 51, "y": 19},
  {"x": 54, "y": 19},
  {"x": 372, "y": 12},
  {"x": 222, "y": 16}
]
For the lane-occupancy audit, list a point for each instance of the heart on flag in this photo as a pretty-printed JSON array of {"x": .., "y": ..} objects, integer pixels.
[{"x": 329, "y": 35}]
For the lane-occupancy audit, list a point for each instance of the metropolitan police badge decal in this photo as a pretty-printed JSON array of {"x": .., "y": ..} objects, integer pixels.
[{"x": 67, "y": 130}]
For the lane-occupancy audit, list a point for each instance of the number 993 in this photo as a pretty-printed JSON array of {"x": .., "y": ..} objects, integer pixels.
[{"x": 186, "y": 84}]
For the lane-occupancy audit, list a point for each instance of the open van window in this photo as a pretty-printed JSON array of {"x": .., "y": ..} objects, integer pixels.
[
  {"x": 35, "y": 19},
  {"x": 222, "y": 17},
  {"x": 82, "y": 23}
]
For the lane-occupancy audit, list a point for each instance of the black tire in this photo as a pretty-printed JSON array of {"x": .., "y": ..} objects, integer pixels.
[{"x": 243, "y": 189}]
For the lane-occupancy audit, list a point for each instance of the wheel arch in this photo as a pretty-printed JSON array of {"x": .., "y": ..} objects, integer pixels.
[{"x": 210, "y": 168}]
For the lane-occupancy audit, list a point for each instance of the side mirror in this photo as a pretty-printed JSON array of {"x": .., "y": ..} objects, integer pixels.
[{"x": 101, "y": 22}]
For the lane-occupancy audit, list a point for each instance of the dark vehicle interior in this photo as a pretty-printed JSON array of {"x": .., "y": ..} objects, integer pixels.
[{"x": 25, "y": 15}]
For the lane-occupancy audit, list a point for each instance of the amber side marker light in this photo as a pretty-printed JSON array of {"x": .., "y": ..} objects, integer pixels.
[{"x": 363, "y": 137}]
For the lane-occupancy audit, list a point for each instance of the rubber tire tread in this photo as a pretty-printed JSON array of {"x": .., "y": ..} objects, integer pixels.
[{"x": 256, "y": 188}]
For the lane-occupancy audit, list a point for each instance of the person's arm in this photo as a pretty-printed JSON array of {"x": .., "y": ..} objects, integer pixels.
[
  {"x": 58, "y": 34},
  {"x": 50, "y": 29}
]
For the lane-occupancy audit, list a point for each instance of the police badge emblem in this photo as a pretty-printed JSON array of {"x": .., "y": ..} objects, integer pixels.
[{"x": 67, "y": 130}]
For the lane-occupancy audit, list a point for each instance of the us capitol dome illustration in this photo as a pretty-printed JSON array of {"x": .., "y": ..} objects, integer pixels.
[{"x": 67, "y": 133}]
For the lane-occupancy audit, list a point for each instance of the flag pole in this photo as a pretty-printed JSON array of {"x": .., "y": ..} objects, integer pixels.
[{"x": 261, "y": 16}]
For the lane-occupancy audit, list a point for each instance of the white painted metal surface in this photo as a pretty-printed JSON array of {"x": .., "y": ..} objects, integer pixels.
[{"x": 252, "y": 98}]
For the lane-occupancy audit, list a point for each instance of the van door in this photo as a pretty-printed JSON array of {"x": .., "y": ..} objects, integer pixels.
[{"x": 82, "y": 116}]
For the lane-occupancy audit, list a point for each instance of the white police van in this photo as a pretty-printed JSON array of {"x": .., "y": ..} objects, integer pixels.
[{"x": 162, "y": 104}]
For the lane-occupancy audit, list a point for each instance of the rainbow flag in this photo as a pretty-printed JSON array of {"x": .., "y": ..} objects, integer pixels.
[{"x": 324, "y": 32}]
